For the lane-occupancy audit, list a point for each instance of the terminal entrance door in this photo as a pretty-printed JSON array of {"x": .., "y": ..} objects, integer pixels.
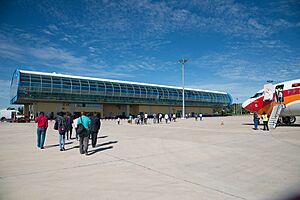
[{"x": 179, "y": 113}]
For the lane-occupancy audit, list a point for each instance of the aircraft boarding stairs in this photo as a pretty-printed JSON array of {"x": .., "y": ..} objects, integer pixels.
[{"x": 277, "y": 109}]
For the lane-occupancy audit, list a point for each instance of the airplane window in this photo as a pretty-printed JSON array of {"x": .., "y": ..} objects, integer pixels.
[
  {"x": 257, "y": 95},
  {"x": 296, "y": 85},
  {"x": 280, "y": 87}
]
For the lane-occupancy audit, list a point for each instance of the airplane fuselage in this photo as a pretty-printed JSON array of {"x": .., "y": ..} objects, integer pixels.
[{"x": 291, "y": 100}]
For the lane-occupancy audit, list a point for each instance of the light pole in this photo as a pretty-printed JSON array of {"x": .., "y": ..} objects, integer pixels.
[{"x": 182, "y": 62}]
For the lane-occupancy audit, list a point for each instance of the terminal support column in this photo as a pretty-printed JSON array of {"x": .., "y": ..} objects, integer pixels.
[
  {"x": 26, "y": 110},
  {"x": 127, "y": 110}
]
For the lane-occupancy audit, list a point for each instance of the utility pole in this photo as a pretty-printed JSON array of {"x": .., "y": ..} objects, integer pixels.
[{"x": 182, "y": 62}]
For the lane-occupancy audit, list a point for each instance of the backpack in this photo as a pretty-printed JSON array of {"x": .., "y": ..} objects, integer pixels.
[
  {"x": 55, "y": 125},
  {"x": 80, "y": 129},
  {"x": 63, "y": 124},
  {"x": 60, "y": 123}
]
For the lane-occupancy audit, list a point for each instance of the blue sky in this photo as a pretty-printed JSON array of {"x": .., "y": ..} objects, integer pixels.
[{"x": 232, "y": 46}]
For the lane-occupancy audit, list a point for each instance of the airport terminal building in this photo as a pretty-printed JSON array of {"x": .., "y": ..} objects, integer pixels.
[{"x": 52, "y": 93}]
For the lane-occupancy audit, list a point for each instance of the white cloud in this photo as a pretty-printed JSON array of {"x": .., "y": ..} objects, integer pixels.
[
  {"x": 247, "y": 67},
  {"x": 242, "y": 91},
  {"x": 125, "y": 26},
  {"x": 53, "y": 27},
  {"x": 48, "y": 32},
  {"x": 144, "y": 19},
  {"x": 35, "y": 54},
  {"x": 46, "y": 55},
  {"x": 130, "y": 29},
  {"x": 56, "y": 55}
]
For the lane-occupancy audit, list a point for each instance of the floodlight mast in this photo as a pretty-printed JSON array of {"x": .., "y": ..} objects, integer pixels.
[{"x": 182, "y": 62}]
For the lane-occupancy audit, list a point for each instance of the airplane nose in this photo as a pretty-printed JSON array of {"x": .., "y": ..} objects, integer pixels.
[
  {"x": 248, "y": 105},
  {"x": 245, "y": 104}
]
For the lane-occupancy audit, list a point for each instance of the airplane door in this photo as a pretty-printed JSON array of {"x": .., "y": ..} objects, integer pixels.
[
  {"x": 279, "y": 94},
  {"x": 268, "y": 92}
]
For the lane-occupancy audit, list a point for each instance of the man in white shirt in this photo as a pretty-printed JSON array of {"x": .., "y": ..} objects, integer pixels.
[
  {"x": 146, "y": 118},
  {"x": 166, "y": 118},
  {"x": 75, "y": 126}
]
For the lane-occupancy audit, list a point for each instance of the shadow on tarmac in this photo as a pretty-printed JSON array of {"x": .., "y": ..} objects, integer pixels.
[
  {"x": 92, "y": 151},
  {"x": 56, "y": 145},
  {"x": 289, "y": 125},
  {"x": 248, "y": 124},
  {"x": 98, "y": 150},
  {"x": 106, "y": 143},
  {"x": 102, "y": 148},
  {"x": 283, "y": 125},
  {"x": 98, "y": 145},
  {"x": 74, "y": 147},
  {"x": 104, "y": 136}
]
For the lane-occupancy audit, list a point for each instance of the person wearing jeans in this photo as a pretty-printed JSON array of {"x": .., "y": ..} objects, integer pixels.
[
  {"x": 40, "y": 137},
  {"x": 255, "y": 120},
  {"x": 69, "y": 122},
  {"x": 265, "y": 121},
  {"x": 85, "y": 135},
  {"x": 41, "y": 129},
  {"x": 94, "y": 129},
  {"x": 62, "y": 141},
  {"x": 61, "y": 127}
]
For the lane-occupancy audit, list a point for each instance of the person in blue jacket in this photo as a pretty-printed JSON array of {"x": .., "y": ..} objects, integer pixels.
[
  {"x": 255, "y": 120},
  {"x": 85, "y": 134}
]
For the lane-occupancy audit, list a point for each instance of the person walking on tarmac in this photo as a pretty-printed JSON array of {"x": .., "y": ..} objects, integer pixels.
[
  {"x": 85, "y": 134},
  {"x": 69, "y": 122},
  {"x": 41, "y": 129},
  {"x": 146, "y": 118},
  {"x": 265, "y": 121},
  {"x": 61, "y": 127},
  {"x": 200, "y": 116},
  {"x": 95, "y": 126},
  {"x": 166, "y": 118},
  {"x": 255, "y": 120}
]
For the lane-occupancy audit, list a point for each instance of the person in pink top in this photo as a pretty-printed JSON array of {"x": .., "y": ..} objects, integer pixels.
[{"x": 42, "y": 125}]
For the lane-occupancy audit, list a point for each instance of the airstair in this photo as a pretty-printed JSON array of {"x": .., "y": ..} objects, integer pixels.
[{"x": 275, "y": 115}]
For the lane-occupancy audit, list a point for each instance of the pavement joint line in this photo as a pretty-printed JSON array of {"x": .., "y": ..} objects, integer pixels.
[
  {"x": 61, "y": 169},
  {"x": 79, "y": 166},
  {"x": 180, "y": 179},
  {"x": 86, "y": 165},
  {"x": 220, "y": 131},
  {"x": 284, "y": 141},
  {"x": 201, "y": 129},
  {"x": 249, "y": 160},
  {"x": 162, "y": 153}
]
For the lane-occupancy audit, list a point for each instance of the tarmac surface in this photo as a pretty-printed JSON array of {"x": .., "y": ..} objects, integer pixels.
[{"x": 187, "y": 159}]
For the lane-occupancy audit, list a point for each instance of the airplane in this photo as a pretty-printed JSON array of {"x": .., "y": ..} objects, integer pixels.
[{"x": 291, "y": 101}]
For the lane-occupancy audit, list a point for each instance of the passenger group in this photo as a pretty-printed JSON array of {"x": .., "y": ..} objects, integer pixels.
[{"x": 86, "y": 128}]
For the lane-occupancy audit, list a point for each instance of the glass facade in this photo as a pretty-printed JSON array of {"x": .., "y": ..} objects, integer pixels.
[
  {"x": 29, "y": 87},
  {"x": 14, "y": 87}
]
